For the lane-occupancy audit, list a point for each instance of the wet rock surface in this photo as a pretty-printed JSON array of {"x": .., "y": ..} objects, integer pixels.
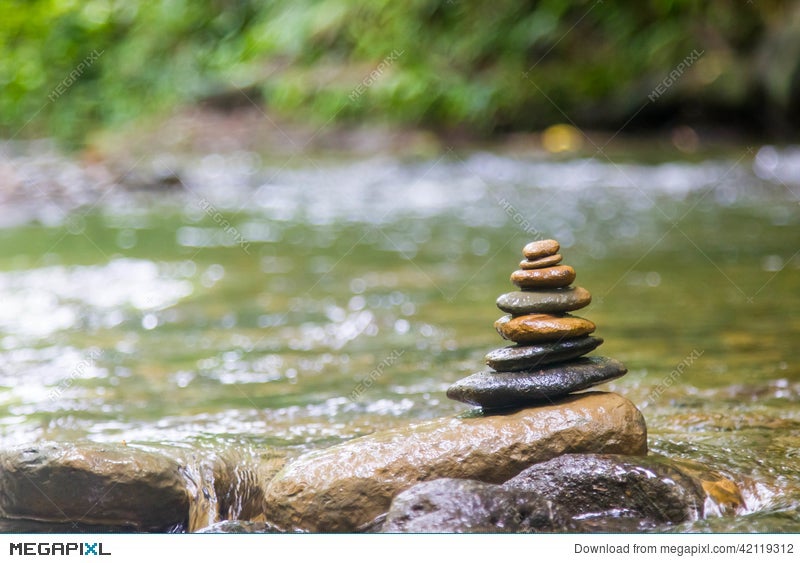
[
  {"x": 463, "y": 505},
  {"x": 624, "y": 493},
  {"x": 346, "y": 487},
  {"x": 573, "y": 493},
  {"x": 113, "y": 487}
]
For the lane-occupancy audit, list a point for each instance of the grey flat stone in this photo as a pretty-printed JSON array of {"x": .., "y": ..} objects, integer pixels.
[
  {"x": 493, "y": 389},
  {"x": 517, "y": 358},
  {"x": 544, "y": 301}
]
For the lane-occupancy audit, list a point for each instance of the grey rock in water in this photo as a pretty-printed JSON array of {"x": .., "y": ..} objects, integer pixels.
[
  {"x": 618, "y": 493},
  {"x": 463, "y": 505},
  {"x": 495, "y": 390},
  {"x": 573, "y": 492},
  {"x": 516, "y": 358}
]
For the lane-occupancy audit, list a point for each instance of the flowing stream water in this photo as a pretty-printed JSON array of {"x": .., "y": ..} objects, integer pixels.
[{"x": 256, "y": 308}]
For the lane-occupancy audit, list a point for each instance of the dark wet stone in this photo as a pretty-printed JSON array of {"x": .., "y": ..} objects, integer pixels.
[
  {"x": 113, "y": 487},
  {"x": 493, "y": 389},
  {"x": 540, "y": 262},
  {"x": 540, "y": 249},
  {"x": 516, "y": 358},
  {"x": 542, "y": 327},
  {"x": 544, "y": 301},
  {"x": 238, "y": 527},
  {"x": 462, "y": 505},
  {"x": 619, "y": 493},
  {"x": 554, "y": 276}
]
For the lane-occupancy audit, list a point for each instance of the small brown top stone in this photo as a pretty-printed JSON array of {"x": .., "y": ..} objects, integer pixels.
[{"x": 540, "y": 249}]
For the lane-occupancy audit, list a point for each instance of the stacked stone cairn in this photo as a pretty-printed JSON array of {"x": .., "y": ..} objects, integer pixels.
[{"x": 547, "y": 360}]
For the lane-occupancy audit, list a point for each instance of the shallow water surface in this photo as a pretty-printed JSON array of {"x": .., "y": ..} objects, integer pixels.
[{"x": 259, "y": 307}]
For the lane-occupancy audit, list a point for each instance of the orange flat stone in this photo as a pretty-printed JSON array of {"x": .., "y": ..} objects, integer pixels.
[
  {"x": 540, "y": 328},
  {"x": 554, "y": 276}
]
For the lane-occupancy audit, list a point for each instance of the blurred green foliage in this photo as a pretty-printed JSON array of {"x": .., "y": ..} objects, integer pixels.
[{"x": 480, "y": 66}]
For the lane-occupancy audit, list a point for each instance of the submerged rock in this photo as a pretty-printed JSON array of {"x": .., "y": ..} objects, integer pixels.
[
  {"x": 92, "y": 485},
  {"x": 463, "y": 505},
  {"x": 346, "y": 487},
  {"x": 617, "y": 493},
  {"x": 723, "y": 495}
]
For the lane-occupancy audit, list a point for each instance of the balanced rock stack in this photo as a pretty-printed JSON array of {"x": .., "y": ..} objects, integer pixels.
[{"x": 547, "y": 361}]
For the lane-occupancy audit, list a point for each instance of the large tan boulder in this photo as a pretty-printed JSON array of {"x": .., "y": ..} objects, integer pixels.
[{"x": 346, "y": 487}]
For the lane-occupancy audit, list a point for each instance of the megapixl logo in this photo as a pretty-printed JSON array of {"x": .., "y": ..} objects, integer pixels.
[{"x": 56, "y": 548}]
